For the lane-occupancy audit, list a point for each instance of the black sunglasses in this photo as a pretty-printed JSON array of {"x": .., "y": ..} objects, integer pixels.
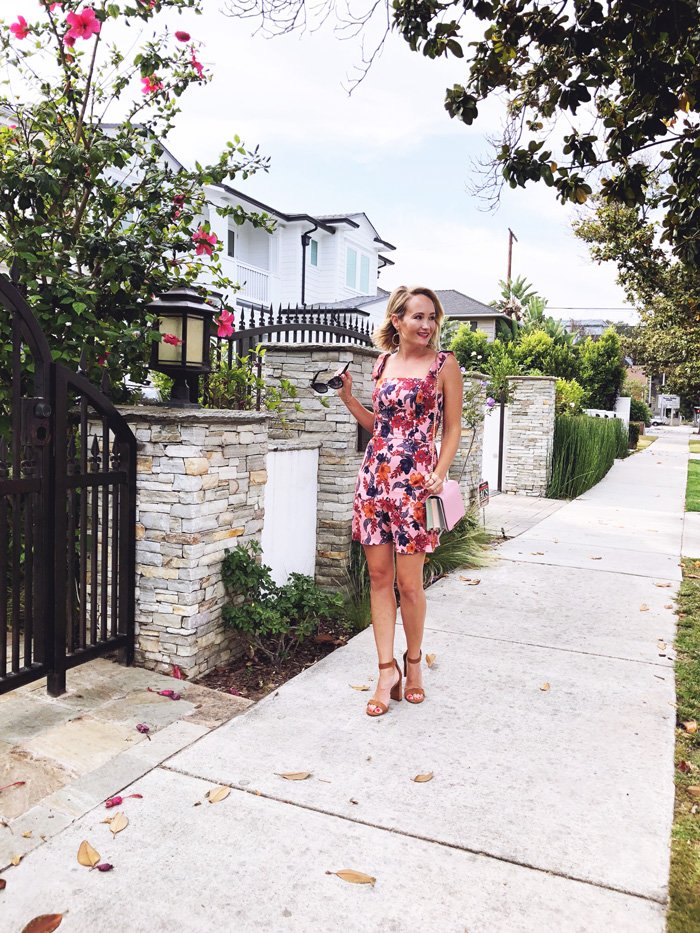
[{"x": 335, "y": 382}]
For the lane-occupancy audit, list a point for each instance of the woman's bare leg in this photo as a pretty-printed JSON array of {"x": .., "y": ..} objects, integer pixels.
[
  {"x": 409, "y": 572},
  {"x": 380, "y": 561}
]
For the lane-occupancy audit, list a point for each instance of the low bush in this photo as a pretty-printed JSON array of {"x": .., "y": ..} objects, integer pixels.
[
  {"x": 584, "y": 450},
  {"x": 569, "y": 397},
  {"x": 273, "y": 619},
  {"x": 639, "y": 411},
  {"x": 635, "y": 428}
]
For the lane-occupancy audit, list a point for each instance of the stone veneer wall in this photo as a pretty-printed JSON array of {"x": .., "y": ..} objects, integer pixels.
[
  {"x": 201, "y": 478},
  {"x": 339, "y": 458},
  {"x": 530, "y": 434}
]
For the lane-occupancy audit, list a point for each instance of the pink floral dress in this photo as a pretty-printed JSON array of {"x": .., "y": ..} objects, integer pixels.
[{"x": 390, "y": 495}]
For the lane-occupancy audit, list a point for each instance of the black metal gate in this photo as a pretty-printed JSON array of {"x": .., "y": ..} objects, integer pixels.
[{"x": 67, "y": 514}]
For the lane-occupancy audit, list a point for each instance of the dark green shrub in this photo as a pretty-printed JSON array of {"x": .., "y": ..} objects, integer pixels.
[
  {"x": 273, "y": 619},
  {"x": 584, "y": 450},
  {"x": 602, "y": 370},
  {"x": 634, "y": 434},
  {"x": 639, "y": 411}
]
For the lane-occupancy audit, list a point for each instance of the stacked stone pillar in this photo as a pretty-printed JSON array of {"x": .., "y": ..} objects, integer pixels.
[
  {"x": 201, "y": 477},
  {"x": 530, "y": 434}
]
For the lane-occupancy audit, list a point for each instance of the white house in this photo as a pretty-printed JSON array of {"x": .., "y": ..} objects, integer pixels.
[{"x": 307, "y": 260}]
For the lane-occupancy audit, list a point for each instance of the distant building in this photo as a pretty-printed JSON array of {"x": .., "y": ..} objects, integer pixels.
[
  {"x": 475, "y": 314},
  {"x": 590, "y": 327}
]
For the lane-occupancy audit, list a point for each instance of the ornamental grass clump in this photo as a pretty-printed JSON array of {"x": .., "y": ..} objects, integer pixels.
[{"x": 584, "y": 450}]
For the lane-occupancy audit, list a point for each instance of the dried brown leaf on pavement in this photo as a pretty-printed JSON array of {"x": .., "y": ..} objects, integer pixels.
[
  {"x": 644, "y": 608},
  {"x": 87, "y": 855},
  {"x": 544, "y": 687},
  {"x": 295, "y": 775},
  {"x": 361, "y": 687},
  {"x": 44, "y": 923},
  {"x": 16, "y": 859},
  {"x": 2, "y": 884},
  {"x": 118, "y": 822},
  {"x": 354, "y": 877},
  {"x": 594, "y": 558},
  {"x": 218, "y": 793},
  {"x": 662, "y": 584},
  {"x": 474, "y": 583},
  {"x": 27, "y": 835},
  {"x": 423, "y": 778},
  {"x": 690, "y": 726},
  {"x": 466, "y": 579}
]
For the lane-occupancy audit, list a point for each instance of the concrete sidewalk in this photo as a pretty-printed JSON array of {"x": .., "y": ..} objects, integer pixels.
[{"x": 549, "y": 810}]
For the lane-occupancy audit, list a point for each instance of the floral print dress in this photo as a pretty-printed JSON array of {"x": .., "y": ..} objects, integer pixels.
[{"x": 390, "y": 495}]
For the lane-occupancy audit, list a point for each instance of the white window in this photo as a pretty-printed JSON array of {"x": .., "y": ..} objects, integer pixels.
[
  {"x": 351, "y": 268},
  {"x": 313, "y": 259},
  {"x": 364, "y": 274}
]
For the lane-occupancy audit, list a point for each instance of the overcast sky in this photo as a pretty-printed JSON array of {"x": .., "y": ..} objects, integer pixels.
[{"x": 389, "y": 150}]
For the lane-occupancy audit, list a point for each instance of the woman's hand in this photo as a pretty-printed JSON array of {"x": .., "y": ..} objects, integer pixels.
[
  {"x": 344, "y": 394},
  {"x": 434, "y": 484}
]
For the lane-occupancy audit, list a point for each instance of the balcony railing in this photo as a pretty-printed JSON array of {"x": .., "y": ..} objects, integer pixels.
[{"x": 255, "y": 283}]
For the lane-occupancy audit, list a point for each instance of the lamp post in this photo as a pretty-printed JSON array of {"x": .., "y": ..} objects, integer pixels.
[{"x": 184, "y": 320}]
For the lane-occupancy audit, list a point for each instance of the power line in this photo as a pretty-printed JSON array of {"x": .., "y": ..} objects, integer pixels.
[{"x": 588, "y": 308}]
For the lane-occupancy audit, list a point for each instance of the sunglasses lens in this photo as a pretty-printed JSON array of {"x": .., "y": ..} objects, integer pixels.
[
  {"x": 335, "y": 383},
  {"x": 319, "y": 387}
]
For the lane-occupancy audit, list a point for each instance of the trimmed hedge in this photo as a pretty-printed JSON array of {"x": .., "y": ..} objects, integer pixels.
[
  {"x": 584, "y": 451},
  {"x": 635, "y": 428}
]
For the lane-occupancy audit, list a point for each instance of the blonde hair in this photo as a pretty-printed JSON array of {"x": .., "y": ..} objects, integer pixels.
[{"x": 384, "y": 335}]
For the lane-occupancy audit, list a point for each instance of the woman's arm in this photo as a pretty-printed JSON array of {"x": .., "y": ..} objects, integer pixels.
[
  {"x": 452, "y": 390},
  {"x": 357, "y": 410}
]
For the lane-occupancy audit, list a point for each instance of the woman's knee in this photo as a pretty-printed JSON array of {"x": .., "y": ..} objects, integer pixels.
[
  {"x": 381, "y": 578},
  {"x": 411, "y": 591}
]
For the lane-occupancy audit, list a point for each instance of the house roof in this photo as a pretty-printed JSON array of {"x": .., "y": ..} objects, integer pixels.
[
  {"x": 458, "y": 305},
  {"x": 354, "y": 303}
]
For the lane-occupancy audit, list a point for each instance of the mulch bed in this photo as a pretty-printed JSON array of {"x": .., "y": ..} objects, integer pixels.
[{"x": 253, "y": 676}]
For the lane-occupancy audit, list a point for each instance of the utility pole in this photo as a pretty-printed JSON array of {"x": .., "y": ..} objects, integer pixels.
[{"x": 511, "y": 237}]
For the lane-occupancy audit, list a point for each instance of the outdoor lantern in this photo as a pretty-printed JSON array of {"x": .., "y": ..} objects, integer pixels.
[{"x": 184, "y": 320}]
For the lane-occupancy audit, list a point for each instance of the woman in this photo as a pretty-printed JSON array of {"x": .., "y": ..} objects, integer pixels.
[{"x": 414, "y": 382}]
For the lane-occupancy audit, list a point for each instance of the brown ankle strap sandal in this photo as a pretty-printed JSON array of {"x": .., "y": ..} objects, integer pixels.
[
  {"x": 395, "y": 693},
  {"x": 412, "y": 694}
]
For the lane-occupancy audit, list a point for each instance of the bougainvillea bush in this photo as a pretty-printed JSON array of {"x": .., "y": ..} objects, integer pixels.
[{"x": 99, "y": 219}]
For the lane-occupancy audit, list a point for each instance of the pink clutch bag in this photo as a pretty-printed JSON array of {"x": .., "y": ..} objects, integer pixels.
[{"x": 445, "y": 509}]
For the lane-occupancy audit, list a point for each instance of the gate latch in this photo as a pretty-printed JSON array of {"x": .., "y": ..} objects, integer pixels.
[{"x": 35, "y": 427}]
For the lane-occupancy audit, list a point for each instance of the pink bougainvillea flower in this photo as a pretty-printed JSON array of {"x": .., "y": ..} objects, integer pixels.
[
  {"x": 182, "y": 36},
  {"x": 198, "y": 67},
  {"x": 151, "y": 84},
  {"x": 204, "y": 242},
  {"x": 69, "y": 40},
  {"x": 171, "y": 339},
  {"x": 20, "y": 29},
  {"x": 225, "y": 322},
  {"x": 51, "y": 6},
  {"x": 83, "y": 24}
]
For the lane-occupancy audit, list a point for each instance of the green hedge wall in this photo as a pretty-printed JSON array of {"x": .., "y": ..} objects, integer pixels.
[{"x": 584, "y": 451}]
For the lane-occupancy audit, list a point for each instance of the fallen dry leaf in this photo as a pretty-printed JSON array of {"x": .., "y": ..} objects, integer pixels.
[
  {"x": 669, "y": 606},
  {"x": 118, "y": 823},
  {"x": 87, "y": 855},
  {"x": 644, "y": 608},
  {"x": 430, "y": 659},
  {"x": 353, "y": 801},
  {"x": 474, "y": 583},
  {"x": 538, "y": 553},
  {"x": 295, "y": 775},
  {"x": 27, "y": 835},
  {"x": 354, "y": 877},
  {"x": 594, "y": 558},
  {"x": 324, "y": 637},
  {"x": 362, "y": 687},
  {"x": 16, "y": 859},
  {"x": 683, "y": 766},
  {"x": 423, "y": 778},
  {"x": 694, "y": 791},
  {"x": 690, "y": 726},
  {"x": 662, "y": 584},
  {"x": 466, "y": 579},
  {"x": 661, "y": 645},
  {"x": 3, "y": 883},
  {"x": 544, "y": 687},
  {"x": 218, "y": 793},
  {"x": 44, "y": 923}
]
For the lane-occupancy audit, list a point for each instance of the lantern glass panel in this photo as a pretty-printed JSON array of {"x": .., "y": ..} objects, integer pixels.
[
  {"x": 195, "y": 339},
  {"x": 167, "y": 353}
]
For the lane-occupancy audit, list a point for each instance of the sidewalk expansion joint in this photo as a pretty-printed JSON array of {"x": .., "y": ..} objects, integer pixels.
[
  {"x": 446, "y": 845},
  {"x": 619, "y": 573},
  {"x": 534, "y": 644}
]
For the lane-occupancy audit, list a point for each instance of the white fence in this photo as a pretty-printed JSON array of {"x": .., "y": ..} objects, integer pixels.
[
  {"x": 489, "y": 467},
  {"x": 291, "y": 495}
]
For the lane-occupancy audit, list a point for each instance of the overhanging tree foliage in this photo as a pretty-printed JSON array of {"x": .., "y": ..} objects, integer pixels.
[
  {"x": 665, "y": 293},
  {"x": 623, "y": 74},
  {"x": 94, "y": 211}
]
